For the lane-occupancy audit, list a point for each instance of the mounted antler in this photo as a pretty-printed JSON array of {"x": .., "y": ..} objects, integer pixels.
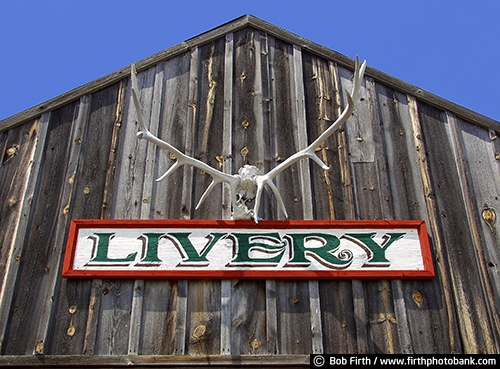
[
  {"x": 249, "y": 183},
  {"x": 309, "y": 151}
]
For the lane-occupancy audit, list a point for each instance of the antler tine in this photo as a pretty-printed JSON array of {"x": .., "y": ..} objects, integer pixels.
[
  {"x": 207, "y": 192},
  {"x": 182, "y": 158},
  {"x": 135, "y": 98},
  {"x": 309, "y": 151},
  {"x": 261, "y": 181}
]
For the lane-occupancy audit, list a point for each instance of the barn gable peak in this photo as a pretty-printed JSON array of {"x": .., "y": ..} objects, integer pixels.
[{"x": 235, "y": 25}]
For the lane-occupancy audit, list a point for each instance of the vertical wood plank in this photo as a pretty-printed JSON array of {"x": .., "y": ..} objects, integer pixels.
[
  {"x": 181, "y": 332},
  {"x": 54, "y": 265},
  {"x": 17, "y": 150},
  {"x": 482, "y": 166},
  {"x": 292, "y": 300},
  {"x": 245, "y": 298},
  {"x": 167, "y": 194},
  {"x": 359, "y": 303},
  {"x": 204, "y": 297},
  {"x": 157, "y": 326},
  {"x": 70, "y": 311},
  {"x": 203, "y": 324},
  {"x": 372, "y": 193},
  {"x": 406, "y": 201},
  {"x": 105, "y": 327},
  {"x": 145, "y": 205},
  {"x": 271, "y": 318},
  {"x": 34, "y": 152},
  {"x": 456, "y": 230},
  {"x": 109, "y": 195},
  {"x": 35, "y": 273},
  {"x": 321, "y": 111},
  {"x": 360, "y": 140},
  {"x": 225, "y": 313},
  {"x": 305, "y": 176},
  {"x": 453, "y": 341},
  {"x": 285, "y": 145},
  {"x": 248, "y": 317},
  {"x": 131, "y": 167},
  {"x": 78, "y": 305},
  {"x": 208, "y": 128},
  {"x": 473, "y": 221},
  {"x": 328, "y": 195}
]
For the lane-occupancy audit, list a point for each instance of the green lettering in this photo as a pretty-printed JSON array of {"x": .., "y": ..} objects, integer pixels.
[
  {"x": 102, "y": 247},
  {"x": 323, "y": 254},
  {"x": 245, "y": 242},
  {"x": 187, "y": 250},
  {"x": 150, "y": 252},
  {"x": 376, "y": 252}
]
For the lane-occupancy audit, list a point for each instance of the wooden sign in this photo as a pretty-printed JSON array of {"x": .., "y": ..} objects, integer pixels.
[{"x": 245, "y": 249}]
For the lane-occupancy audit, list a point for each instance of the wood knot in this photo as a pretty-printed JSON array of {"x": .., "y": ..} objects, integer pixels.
[
  {"x": 199, "y": 331},
  {"x": 490, "y": 217}
]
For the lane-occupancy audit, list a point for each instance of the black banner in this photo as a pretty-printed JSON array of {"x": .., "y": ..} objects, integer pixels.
[{"x": 410, "y": 360}]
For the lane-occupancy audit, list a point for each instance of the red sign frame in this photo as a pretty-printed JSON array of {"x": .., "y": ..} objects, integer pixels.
[{"x": 264, "y": 225}]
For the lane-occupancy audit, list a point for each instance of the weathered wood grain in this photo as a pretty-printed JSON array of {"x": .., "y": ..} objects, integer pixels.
[
  {"x": 158, "y": 318},
  {"x": 227, "y": 198},
  {"x": 360, "y": 140},
  {"x": 266, "y": 122},
  {"x": 47, "y": 314},
  {"x": 268, "y": 204},
  {"x": 157, "y": 325},
  {"x": 167, "y": 194},
  {"x": 452, "y": 341},
  {"x": 248, "y": 318},
  {"x": 300, "y": 122},
  {"x": 29, "y": 167},
  {"x": 208, "y": 129},
  {"x": 321, "y": 111},
  {"x": 338, "y": 323},
  {"x": 481, "y": 151},
  {"x": 17, "y": 146},
  {"x": 294, "y": 317},
  {"x": 246, "y": 100},
  {"x": 145, "y": 207},
  {"x": 473, "y": 221},
  {"x": 35, "y": 263},
  {"x": 39, "y": 265},
  {"x": 290, "y": 337},
  {"x": 114, "y": 317},
  {"x": 246, "y": 88},
  {"x": 455, "y": 231},
  {"x": 284, "y": 144},
  {"x": 203, "y": 324},
  {"x": 146, "y": 361},
  {"x": 131, "y": 160},
  {"x": 87, "y": 203},
  {"x": 182, "y": 286},
  {"x": 407, "y": 201},
  {"x": 371, "y": 192}
]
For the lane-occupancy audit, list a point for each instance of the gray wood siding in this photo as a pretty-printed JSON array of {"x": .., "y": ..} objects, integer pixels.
[{"x": 249, "y": 97}]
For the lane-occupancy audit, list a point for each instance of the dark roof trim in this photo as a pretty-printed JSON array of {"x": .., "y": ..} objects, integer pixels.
[{"x": 232, "y": 26}]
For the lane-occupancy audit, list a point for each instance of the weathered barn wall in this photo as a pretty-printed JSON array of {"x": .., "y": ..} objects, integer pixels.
[{"x": 248, "y": 96}]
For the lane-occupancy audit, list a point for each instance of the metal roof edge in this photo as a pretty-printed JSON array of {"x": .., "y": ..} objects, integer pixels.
[{"x": 232, "y": 26}]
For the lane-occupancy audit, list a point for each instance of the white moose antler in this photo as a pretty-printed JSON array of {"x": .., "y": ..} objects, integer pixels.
[{"x": 248, "y": 184}]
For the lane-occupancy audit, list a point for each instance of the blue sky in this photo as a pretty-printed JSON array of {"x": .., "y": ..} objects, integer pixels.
[{"x": 448, "y": 48}]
